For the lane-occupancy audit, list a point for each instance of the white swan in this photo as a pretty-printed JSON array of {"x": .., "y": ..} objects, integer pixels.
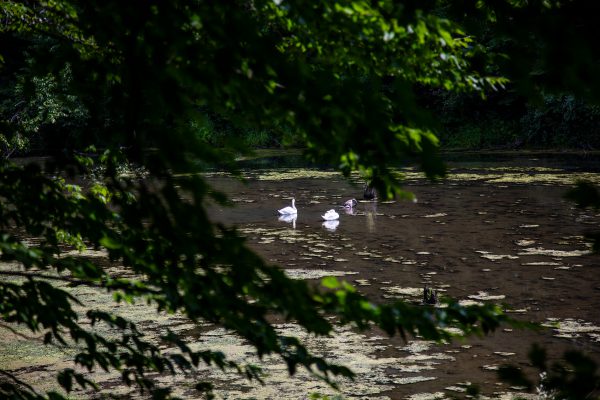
[
  {"x": 330, "y": 215},
  {"x": 289, "y": 210}
]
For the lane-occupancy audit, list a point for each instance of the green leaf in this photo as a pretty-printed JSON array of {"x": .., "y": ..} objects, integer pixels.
[
  {"x": 111, "y": 243},
  {"x": 330, "y": 282}
]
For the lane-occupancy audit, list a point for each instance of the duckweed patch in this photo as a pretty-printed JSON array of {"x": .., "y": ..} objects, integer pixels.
[
  {"x": 495, "y": 257},
  {"x": 484, "y": 296},
  {"x": 295, "y": 173},
  {"x": 525, "y": 242},
  {"x": 542, "y": 263},
  {"x": 315, "y": 274},
  {"x": 437, "y": 215},
  {"x": 374, "y": 374},
  {"x": 411, "y": 293},
  {"x": 383, "y": 249},
  {"x": 427, "y": 396},
  {"x": 571, "y": 328},
  {"x": 540, "y": 251},
  {"x": 557, "y": 177},
  {"x": 413, "y": 379}
]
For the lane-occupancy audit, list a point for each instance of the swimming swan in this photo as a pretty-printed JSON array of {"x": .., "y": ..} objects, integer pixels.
[
  {"x": 289, "y": 210},
  {"x": 330, "y": 215},
  {"x": 350, "y": 203}
]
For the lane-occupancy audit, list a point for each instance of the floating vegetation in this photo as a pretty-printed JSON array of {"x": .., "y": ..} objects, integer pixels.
[
  {"x": 539, "y": 251},
  {"x": 466, "y": 303},
  {"x": 315, "y": 274},
  {"x": 494, "y": 257},
  {"x": 427, "y": 396},
  {"x": 391, "y": 259},
  {"x": 438, "y": 215},
  {"x": 417, "y": 346},
  {"x": 542, "y": 263},
  {"x": 571, "y": 328},
  {"x": 515, "y": 396},
  {"x": 87, "y": 253},
  {"x": 374, "y": 375},
  {"x": 491, "y": 175},
  {"x": 402, "y": 292},
  {"x": 413, "y": 379},
  {"x": 516, "y": 311},
  {"x": 293, "y": 173},
  {"x": 524, "y": 242},
  {"x": 490, "y": 367},
  {"x": 551, "y": 177},
  {"x": 458, "y": 389},
  {"x": 313, "y": 253},
  {"x": 485, "y": 296},
  {"x": 504, "y": 353}
]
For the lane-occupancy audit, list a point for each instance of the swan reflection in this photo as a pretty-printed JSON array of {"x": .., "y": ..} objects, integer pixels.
[
  {"x": 289, "y": 218},
  {"x": 371, "y": 213},
  {"x": 331, "y": 225},
  {"x": 350, "y": 211}
]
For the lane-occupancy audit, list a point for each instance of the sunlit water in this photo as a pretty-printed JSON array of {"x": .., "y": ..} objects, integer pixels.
[
  {"x": 494, "y": 231},
  {"x": 497, "y": 230}
]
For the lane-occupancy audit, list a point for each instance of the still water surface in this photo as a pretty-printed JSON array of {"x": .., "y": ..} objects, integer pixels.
[{"x": 497, "y": 230}]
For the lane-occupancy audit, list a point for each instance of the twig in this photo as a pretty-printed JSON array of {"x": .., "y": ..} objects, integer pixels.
[{"x": 20, "y": 382}]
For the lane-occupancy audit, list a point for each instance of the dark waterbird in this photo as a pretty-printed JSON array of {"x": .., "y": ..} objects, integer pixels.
[
  {"x": 350, "y": 203},
  {"x": 429, "y": 296},
  {"x": 369, "y": 192}
]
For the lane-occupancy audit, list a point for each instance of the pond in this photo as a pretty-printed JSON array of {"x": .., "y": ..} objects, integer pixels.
[{"x": 497, "y": 230}]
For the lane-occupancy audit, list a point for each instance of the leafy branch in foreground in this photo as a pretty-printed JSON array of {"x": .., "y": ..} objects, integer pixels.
[
  {"x": 573, "y": 377},
  {"x": 341, "y": 76}
]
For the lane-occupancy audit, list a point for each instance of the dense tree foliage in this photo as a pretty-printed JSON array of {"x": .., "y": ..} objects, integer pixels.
[
  {"x": 147, "y": 83},
  {"x": 548, "y": 51}
]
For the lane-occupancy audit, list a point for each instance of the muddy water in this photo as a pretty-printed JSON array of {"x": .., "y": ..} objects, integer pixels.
[{"x": 493, "y": 232}]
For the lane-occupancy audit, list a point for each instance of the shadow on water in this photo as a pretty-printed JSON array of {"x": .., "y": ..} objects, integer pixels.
[
  {"x": 568, "y": 161},
  {"x": 498, "y": 231}
]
